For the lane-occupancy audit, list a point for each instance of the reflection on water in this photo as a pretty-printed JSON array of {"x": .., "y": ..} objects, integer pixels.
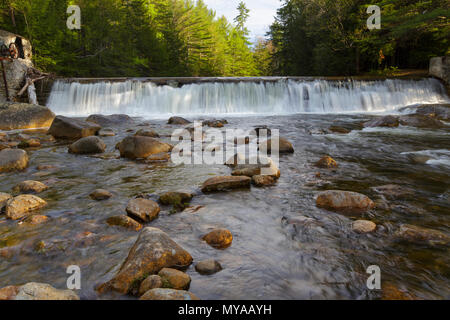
[{"x": 271, "y": 257}]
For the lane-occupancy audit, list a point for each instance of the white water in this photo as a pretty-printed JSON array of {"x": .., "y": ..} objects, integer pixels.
[{"x": 145, "y": 99}]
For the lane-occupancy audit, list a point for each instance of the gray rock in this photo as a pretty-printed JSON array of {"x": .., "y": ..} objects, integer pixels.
[
  {"x": 72, "y": 129},
  {"x": 13, "y": 160},
  {"x": 143, "y": 209},
  {"x": 386, "y": 121},
  {"x": 88, "y": 145},
  {"x": 112, "y": 120},
  {"x": 30, "y": 186},
  {"x": 42, "y": 291},
  {"x": 168, "y": 294},
  {"x": 208, "y": 267},
  {"x": 24, "y": 116},
  {"x": 136, "y": 147}
]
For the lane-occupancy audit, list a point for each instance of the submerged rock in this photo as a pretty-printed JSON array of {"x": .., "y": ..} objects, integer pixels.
[
  {"x": 420, "y": 121},
  {"x": 13, "y": 160},
  {"x": 22, "y": 205},
  {"x": 124, "y": 221},
  {"x": 72, "y": 129},
  {"x": 30, "y": 186},
  {"x": 219, "y": 238},
  {"x": 180, "y": 200},
  {"x": 100, "y": 194},
  {"x": 337, "y": 200},
  {"x": 24, "y": 116},
  {"x": 391, "y": 292},
  {"x": 42, "y": 291},
  {"x": 178, "y": 121},
  {"x": 438, "y": 111},
  {"x": 208, "y": 267},
  {"x": 226, "y": 183},
  {"x": 88, "y": 145},
  {"x": 168, "y": 294},
  {"x": 106, "y": 121},
  {"x": 143, "y": 209},
  {"x": 421, "y": 235},
  {"x": 147, "y": 133},
  {"x": 341, "y": 130},
  {"x": 106, "y": 132},
  {"x": 4, "y": 197},
  {"x": 326, "y": 162},
  {"x": 153, "y": 251},
  {"x": 284, "y": 146},
  {"x": 386, "y": 121},
  {"x": 151, "y": 282},
  {"x": 263, "y": 180},
  {"x": 136, "y": 147},
  {"x": 393, "y": 191},
  {"x": 215, "y": 123},
  {"x": 174, "y": 279},
  {"x": 364, "y": 226}
]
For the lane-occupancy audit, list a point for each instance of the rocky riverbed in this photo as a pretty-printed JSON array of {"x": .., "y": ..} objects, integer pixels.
[{"x": 349, "y": 191}]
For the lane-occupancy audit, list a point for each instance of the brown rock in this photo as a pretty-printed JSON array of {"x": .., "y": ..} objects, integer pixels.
[
  {"x": 225, "y": 183},
  {"x": 22, "y": 205},
  {"x": 9, "y": 293},
  {"x": 393, "y": 191},
  {"x": 208, "y": 267},
  {"x": 124, "y": 221},
  {"x": 141, "y": 147},
  {"x": 219, "y": 238},
  {"x": 263, "y": 181},
  {"x": 421, "y": 235},
  {"x": 326, "y": 162},
  {"x": 106, "y": 132},
  {"x": 283, "y": 144},
  {"x": 36, "y": 219},
  {"x": 13, "y": 160},
  {"x": 168, "y": 294},
  {"x": 100, "y": 194},
  {"x": 341, "y": 130},
  {"x": 151, "y": 282},
  {"x": 420, "y": 121},
  {"x": 175, "y": 198},
  {"x": 72, "y": 129},
  {"x": 112, "y": 120},
  {"x": 24, "y": 116},
  {"x": 88, "y": 145},
  {"x": 364, "y": 226},
  {"x": 337, "y": 200},
  {"x": 178, "y": 121},
  {"x": 30, "y": 186},
  {"x": 147, "y": 133},
  {"x": 143, "y": 209},
  {"x": 153, "y": 251},
  {"x": 41, "y": 291},
  {"x": 391, "y": 292},
  {"x": 4, "y": 197},
  {"x": 174, "y": 279},
  {"x": 386, "y": 121}
]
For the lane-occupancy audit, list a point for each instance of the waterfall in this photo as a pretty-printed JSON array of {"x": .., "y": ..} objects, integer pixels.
[{"x": 145, "y": 99}]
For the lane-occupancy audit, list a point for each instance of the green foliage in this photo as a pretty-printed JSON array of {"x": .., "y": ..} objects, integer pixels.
[{"x": 131, "y": 38}]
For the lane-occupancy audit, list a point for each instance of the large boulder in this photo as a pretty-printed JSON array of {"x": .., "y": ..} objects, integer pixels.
[
  {"x": 153, "y": 251},
  {"x": 13, "y": 160},
  {"x": 88, "y": 145},
  {"x": 336, "y": 200},
  {"x": 226, "y": 183},
  {"x": 108, "y": 121},
  {"x": 147, "y": 133},
  {"x": 168, "y": 294},
  {"x": 24, "y": 116},
  {"x": 42, "y": 291},
  {"x": 137, "y": 147},
  {"x": 22, "y": 206},
  {"x": 72, "y": 129}
]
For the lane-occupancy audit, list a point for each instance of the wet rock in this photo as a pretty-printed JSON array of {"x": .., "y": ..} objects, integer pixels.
[
  {"x": 107, "y": 121},
  {"x": 178, "y": 199},
  {"x": 106, "y": 132},
  {"x": 88, "y": 145},
  {"x": 72, "y": 129},
  {"x": 147, "y": 133},
  {"x": 24, "y": 116},
  {"x": 136, "y": 147},
  {"x": 29, "y": 143},
  {"x": 22, "y": 205},
  {"x": 100, "y": 194},
  {"x": 30, "y": 186},
  {"x": 336, "y": 200},
  {"x": 124, "y": 221},
  {"x": 159, "y": 157},
  {"x": 153, "y": 251},
  {"x": 4, "y": 146},
  {"x": 143, "y": 209},
  {"x": 341, "y": 130},
  {"x": 13, "y": 160},
  {"x": 421, "y": 235},
  {"x": 263, "y": 181},
  {"x": 391, "y": 292},
  {"x": 215, "y": 123},
  {"x": 151, "y": 282},
  {"x": 4, "y": 197},
  {"x": 42, "y": 291},
  {"x": 208, "y": 267},
  {"x": 393, "y": 191},
  {"x": 250, "y": 171},
  {"x": 225, "y": 183},
  {"x": 363, "y": 226},
  {"x": 36, "y": 220},
  {"x": 439, "y": 111},
  {"x": 174, "y": 279},
  {"x": 178, "y": 121},
  {"x": 386, "y": 121},
  {"x": 242, "y": 140},
  {"x": 219, "y": 238},
  {"x": 235, "y": 160},
  {"x": 420, "y": 121},
  {"x": 263, "y": 131},
  {"x": 257, "y": 166},
  {"x": 168, "y": 294},
  {"x": 326, "y": 162},
  {"x": 284, "y": 146},
  {"x": 9, "y": 293}
]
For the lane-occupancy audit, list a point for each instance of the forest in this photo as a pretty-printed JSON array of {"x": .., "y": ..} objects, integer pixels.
[{"x": 186, "y": 38}]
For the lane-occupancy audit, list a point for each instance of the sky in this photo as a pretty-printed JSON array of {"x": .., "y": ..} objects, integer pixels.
[{"x": 262, "y": 13}]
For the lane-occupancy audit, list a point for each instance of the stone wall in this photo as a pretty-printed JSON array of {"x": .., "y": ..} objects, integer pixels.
[
  {"x": 440, "y": 68},
  {"x": 16, "y": 69}
]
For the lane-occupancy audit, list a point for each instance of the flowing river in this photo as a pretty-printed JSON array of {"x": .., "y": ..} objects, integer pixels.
[{"x": 271, "y": 257}]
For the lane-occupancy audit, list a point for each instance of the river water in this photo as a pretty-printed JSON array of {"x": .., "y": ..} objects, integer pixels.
[{"x": 270, "y": 258}]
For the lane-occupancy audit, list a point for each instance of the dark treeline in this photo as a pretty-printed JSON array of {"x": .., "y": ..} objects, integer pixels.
[
  {"x": 186, "y": 38},
  {"x": 330, "y": 37}
]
